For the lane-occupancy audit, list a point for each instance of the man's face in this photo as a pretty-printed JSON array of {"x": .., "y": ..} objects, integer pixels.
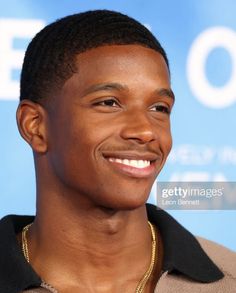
[{"x": 109, "y": 131}]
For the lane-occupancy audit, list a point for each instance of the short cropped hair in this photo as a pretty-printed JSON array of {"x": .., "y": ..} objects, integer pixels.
[{"x": 50, "y": 57}]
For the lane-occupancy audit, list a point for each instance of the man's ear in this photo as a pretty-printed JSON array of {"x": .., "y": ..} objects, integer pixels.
[{"x": 31, "y": 121}]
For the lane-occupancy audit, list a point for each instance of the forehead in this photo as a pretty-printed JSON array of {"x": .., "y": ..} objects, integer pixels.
[
  {"x": 121, "y": 58},
  {"x": 133, "y": 66}
]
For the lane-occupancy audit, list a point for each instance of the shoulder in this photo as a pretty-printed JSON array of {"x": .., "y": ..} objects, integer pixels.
[
  {"x": 223, "y": 257},
  {"x": 225, "y": 260}
]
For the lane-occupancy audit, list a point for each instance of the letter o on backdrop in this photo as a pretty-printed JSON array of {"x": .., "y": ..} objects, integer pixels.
[{"x": 206, "y": 93}]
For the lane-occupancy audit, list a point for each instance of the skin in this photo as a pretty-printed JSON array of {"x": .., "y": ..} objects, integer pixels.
[{"x": 91, "y": 211}]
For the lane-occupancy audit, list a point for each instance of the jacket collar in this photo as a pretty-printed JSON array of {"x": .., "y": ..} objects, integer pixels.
[
  {"x": 182, "y": 252},
  {"x": 15, "y": 273}
]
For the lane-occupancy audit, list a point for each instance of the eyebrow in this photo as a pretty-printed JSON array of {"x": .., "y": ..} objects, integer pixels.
[
  {"x": 117, "y": 86},
  {"x": 105, "y": 87},
  {"x": 166, "y": 92}
]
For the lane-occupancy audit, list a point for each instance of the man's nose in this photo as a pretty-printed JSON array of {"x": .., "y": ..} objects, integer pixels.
[{"x": 139, "y": 127}]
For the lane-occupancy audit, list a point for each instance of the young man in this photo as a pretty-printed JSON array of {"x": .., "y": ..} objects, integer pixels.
[{"x": 95, "y": 108}]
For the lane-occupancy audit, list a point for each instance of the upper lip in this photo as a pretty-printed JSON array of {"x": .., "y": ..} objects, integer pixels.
[{"x": 131, "y": 155}]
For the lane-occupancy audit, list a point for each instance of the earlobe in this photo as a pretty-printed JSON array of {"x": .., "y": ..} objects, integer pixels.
[{"x": 31, "y": 121}]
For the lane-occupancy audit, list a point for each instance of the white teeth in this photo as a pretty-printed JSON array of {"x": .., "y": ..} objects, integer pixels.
[{"x": 133, "y": 163}]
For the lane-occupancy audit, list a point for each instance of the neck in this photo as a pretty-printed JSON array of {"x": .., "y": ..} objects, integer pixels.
[{"x": 88, "y": 238}]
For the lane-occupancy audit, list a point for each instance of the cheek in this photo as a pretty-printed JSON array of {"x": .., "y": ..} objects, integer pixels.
[
  {"x": 166, "y": 141},
  {"x": 72, "y": 158},
  {"x": 80, "y": 141},
  {"x": 169, "y": 143}
]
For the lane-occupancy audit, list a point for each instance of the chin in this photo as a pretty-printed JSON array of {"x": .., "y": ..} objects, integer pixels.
[{"x": 127, "y": 202}]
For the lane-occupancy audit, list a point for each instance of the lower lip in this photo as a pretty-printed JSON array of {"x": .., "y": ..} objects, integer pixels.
[{"x": 132, "y": 171}]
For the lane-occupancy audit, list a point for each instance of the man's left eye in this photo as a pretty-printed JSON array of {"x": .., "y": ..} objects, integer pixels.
[{"x": 161, "y": 108}]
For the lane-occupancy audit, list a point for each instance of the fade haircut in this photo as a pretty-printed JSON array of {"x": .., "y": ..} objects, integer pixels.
[{"x": 50, "y": 57}]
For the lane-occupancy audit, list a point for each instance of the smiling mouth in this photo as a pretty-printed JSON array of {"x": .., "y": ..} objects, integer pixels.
[{"x": 131, "y": 166}]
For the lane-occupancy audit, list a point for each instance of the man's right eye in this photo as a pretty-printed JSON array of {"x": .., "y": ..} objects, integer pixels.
[{"x": 108, "y": 103}]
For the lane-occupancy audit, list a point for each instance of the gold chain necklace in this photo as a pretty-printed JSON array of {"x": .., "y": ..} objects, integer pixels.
[
  {"x": 146, "y": 276},
  {"x": 142, "y": 282},
  {"x": 25, "y": 242}
]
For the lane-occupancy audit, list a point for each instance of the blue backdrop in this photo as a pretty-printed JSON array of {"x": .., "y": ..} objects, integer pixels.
[{"x": 200, "y": 39}]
